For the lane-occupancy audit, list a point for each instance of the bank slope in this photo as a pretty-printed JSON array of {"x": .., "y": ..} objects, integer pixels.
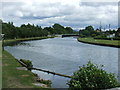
[
  {"x": 110, "y": 43},
  {"x": 12, "y": 77},
  {"x": 13, "y": 41}
]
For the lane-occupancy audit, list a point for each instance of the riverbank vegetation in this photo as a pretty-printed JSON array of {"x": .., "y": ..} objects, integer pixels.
[
  {"x": 113, "y": 43},
  {"x": 91, "y": 77},
  {"x": 13, "y": 41},
  {"x": 27, "y": 31},
  {"x": 98, "y": 37},
  {"x": 13, "y": 73},
  {"x": 89, "y": 31},
  {"x": 14, "y": 76},
  {"x": 28, "y": 63}
]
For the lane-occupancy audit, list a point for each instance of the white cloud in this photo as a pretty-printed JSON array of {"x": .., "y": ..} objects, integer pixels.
[
  {"x": 75, "y": 13},
  {"x": 18, "y": 14},
  {"x": 100, "y": 0}
]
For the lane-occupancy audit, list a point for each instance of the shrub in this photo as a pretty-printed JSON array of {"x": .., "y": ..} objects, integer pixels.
[
  {"x": 28, "y": 63},
  {"x": 47, "y": 82},
  {"x": 101, "y": 36},
  {"x": 82, "y": 36},
  {"x": 93, "y": 35},
  {"x": 91, "y": 76}
]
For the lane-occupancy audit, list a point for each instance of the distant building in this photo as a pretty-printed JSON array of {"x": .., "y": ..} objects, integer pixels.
[
  {"x": 111, "y": 35},
  {"x": 97, "y": 30},
  {"x": 49, "y": 35}
]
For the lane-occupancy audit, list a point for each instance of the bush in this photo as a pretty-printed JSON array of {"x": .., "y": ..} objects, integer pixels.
[
  {"x": 101, "y": 36},
  {"x": 82, "y": 36},
  {"x": 91, "y": 76},
  {"x": 28, "y": 63},
  {"x": 47, "y": 82},
  {"x": 93, "y": 35}
]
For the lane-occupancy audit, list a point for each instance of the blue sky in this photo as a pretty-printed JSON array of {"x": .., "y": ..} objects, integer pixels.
[{"x": 74, "y": 13}]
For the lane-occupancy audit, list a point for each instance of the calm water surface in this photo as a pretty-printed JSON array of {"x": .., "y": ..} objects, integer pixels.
[{"x": 64, "y": 55}]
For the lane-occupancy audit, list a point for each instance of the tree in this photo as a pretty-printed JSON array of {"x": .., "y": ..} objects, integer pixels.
[
  {"x": 58, "y": 28},
  {"x": 117, "y": 34},
  {"x": 9, "y": 30},
  {"x": 90, "y": 76},
  {"x": 50, "y": 30},
  {"x": 88, "y": 32},
  {"x": 89, "y": 28},
  {"x": 69, "y": 30}
]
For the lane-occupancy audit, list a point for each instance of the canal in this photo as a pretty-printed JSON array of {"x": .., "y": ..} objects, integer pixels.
[{"x": 64, "y": 55}]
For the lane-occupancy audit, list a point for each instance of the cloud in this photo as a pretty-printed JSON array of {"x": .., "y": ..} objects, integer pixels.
[
  {"x": 76, "y": 14},
  {"x": 97, "y": 4}
]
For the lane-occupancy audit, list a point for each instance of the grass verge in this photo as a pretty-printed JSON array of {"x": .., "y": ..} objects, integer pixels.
[
  {"x": 11, "y": 41},
  {"x": 12, "y": 77},
  {"x": 111, "y": 43}
]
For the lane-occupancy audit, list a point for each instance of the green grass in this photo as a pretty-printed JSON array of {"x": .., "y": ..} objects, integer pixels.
[
  {"x": 98, "y": 41},
  {"x": 31, "y": 38},
  {"x": 9, "y": 41},
  {"x": 12, "y": 77}
]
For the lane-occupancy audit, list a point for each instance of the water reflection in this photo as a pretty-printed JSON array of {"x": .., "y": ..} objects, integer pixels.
[
  {"x": 54, "y": 78},
  {"x": 22, "y": 44},
  {"x": 65, "y": 55},
  {"x": 17, "y": 43}
]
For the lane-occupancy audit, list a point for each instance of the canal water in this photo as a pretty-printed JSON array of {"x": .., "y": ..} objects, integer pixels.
[{"x": 64, "y": 55}]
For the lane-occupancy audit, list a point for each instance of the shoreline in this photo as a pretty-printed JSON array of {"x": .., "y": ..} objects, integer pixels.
[
  {"x": 37, "y": 82},
  {"x": 100, "y": 44},
  {"x": 12, "y": 41}
]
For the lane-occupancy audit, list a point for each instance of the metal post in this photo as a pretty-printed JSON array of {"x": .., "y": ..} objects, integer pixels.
[
  {"x": 3, "y": 44},
  {"x": 2, "y": 35}
]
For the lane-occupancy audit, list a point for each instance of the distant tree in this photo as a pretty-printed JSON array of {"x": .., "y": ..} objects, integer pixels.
[
  {"x": 89, "y": 32},
  {"x": 50, "y": 30},
  {"x": 118, "y": 32},
  {"x": 69, "y": 30},
  {"x": 89, "y": 28},
  {"x": 28, "y": 30},
  {"x": 59, "y": 29},
  {"x": 9, "y": 30}
]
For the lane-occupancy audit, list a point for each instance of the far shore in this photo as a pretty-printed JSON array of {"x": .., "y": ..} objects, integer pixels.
[
  {"x": 11, "y": 41},
  {"x": 110, "y": 43}
]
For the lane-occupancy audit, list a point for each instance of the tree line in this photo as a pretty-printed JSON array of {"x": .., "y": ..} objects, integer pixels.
[
  {"x": 89, "y": 31},
  {"x": 26, "y": 31}
]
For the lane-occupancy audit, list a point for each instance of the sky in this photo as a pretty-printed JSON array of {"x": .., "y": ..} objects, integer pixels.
[{"x": 74, "y": 13}]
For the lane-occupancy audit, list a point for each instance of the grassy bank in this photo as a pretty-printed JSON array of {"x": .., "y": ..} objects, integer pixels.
[
  {"x": 111, "y": 43},
  {"x": 12, "y": 77},
  {"x": 9, "y": 41}
]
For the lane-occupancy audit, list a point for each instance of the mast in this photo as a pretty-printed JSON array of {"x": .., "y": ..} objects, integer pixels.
[
  {"x": 109, "y": 27},
  {"x": 100, "y": 26}
]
